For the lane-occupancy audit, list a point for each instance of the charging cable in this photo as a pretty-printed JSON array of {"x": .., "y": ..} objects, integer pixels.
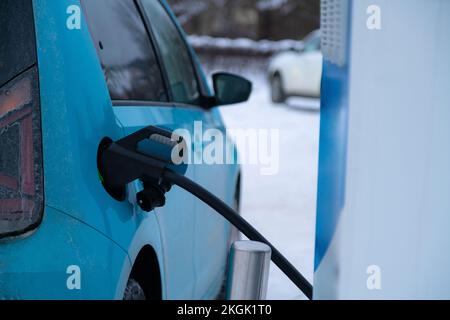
[{"x": 148, "y": 155}]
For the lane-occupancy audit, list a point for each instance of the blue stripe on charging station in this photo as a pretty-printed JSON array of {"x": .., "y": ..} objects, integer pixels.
[
  {"x": 332, "y": 148},
  {"x": 332, "y": 156}
]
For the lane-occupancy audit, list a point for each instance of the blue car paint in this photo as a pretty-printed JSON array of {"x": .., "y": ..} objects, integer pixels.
[
  {"x": 202, "y": 232},
  {"x": 107, "y": 235},
  {"x": 35, "y": 266}
]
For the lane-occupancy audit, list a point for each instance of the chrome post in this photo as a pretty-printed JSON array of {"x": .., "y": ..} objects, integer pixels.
[{"x": 248, "y": 274}]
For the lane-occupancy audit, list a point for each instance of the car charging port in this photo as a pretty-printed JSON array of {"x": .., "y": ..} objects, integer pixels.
[{"x": 116, "y": 192}]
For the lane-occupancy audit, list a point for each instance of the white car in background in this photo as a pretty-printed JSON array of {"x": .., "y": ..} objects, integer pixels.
[{"x": 297, "y": 73}]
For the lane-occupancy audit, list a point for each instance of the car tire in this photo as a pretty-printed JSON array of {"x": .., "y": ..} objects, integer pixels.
[
  {"x": 133, "y": 291},
  {"x": 277, "y": 91}
]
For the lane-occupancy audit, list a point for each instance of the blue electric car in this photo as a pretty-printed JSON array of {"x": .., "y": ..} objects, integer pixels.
[{"x": 72, "y": 73}]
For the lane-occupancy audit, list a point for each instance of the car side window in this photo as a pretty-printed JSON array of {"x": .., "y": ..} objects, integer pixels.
[
  {"x": 126, "y": 54},
  {"x": 174, "y": 52}
]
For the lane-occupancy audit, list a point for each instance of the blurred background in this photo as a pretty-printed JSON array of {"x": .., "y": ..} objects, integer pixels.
[
  {"x": 276, "y": 45},
  {"x": 253, "y": 19}
]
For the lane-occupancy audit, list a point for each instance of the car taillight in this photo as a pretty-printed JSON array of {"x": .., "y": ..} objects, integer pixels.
[{"x": 21, "y": 171}]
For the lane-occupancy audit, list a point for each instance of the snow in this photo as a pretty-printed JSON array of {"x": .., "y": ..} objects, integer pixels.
[
  {"x": 262, "y": 46},
  {"x": 282, "y": 207},
  {"x": 271, "y": 4}
]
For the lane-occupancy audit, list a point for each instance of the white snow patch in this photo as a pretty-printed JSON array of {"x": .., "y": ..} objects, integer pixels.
[
  {"x": 263, "y": 46},
  {"x": 271, "y": 4}
]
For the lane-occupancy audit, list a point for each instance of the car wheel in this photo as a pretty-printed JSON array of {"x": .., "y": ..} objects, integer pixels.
[
  {"x": 276, "y": 86},
  {"x": 133, "y": 291}
]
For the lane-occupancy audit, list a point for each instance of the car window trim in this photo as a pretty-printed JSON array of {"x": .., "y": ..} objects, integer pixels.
[
  {"x": 148, "y": 103},
  {"x": 204, "y": 98},
  {"x": 201, "y": 84},
  {"x": 155, "y": 46},
  {"x": 152, "y": 44}
]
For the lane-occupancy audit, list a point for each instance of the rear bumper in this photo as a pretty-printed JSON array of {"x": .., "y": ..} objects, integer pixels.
[{"x": 36, "y": 266}]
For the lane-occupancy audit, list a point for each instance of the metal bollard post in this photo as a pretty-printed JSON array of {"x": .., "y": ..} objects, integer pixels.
[{"x": 249, "y": 271}]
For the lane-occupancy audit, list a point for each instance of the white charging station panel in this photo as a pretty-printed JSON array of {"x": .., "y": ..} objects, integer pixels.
[{"x": 383, "y": 212}]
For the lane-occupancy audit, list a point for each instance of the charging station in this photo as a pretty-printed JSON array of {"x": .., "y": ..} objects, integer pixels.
[{"x": 383, "y": 208}]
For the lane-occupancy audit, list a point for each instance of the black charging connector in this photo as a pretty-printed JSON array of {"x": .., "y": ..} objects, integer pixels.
[
  {"x": 149, "y": 155},
  {"x": 126, "y": 160}
]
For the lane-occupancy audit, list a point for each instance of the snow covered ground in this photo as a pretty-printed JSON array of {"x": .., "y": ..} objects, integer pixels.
[
  {"x": 282, "y": 206},
  {"x": 261, "y": 46}
]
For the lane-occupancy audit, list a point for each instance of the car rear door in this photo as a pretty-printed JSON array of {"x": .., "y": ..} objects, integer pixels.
[
  {"x": 185, "y": 89},
  {"x": 140, "y": 95}
]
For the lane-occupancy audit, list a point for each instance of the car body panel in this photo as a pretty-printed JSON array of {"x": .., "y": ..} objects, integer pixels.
[
  {"x": 37, "y": 265},
  {"x": 77, "y": 113},
  {"x": 211, "y": 230},
  {"x": 300, "y": 72},
  {"x": 190, "y": 235}
]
